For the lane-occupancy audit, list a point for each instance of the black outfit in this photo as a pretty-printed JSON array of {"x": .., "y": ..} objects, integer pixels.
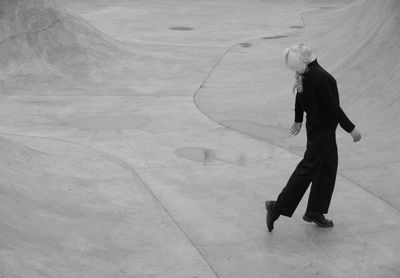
[{"x": 320, "y": 100}]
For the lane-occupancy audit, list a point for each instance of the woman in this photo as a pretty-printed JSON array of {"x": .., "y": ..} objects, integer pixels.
[{"x": 317, "y": 95}]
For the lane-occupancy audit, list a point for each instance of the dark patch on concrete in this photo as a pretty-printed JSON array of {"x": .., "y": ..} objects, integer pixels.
[
  {"x": 196, "y": 154},
  {"x": 181, "y": 28},
  {"x": 245, "y": 44},
  {"x": 296, "y": 27},
  {"x": 274, "y": 37},
  {"x": 327, "y": 8}
]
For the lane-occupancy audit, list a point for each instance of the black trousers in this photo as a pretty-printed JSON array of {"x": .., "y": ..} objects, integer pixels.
[{"x": 319, "y": 167}]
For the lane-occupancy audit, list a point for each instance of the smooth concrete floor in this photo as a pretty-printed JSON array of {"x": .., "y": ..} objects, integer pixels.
[{"x": 141, "y": 139}]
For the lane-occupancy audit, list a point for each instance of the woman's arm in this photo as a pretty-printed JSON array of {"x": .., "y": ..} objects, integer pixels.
[
  {"x": 330, "y": 98},
  {"x": 298, "y": 117},
  {"x": 298, "y": 110}
]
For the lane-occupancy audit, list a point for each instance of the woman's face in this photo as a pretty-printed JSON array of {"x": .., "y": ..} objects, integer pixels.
[
  {"x": 296, "y": 57},
  {"x": 296, "y": 62},
  {"x": 302, "y": 68}
]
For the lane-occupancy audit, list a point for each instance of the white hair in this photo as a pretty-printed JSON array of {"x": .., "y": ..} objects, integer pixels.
[{"x": 297, "y": 57}]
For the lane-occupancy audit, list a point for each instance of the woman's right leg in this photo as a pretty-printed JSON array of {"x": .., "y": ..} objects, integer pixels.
[
  {"x": 292, "y": 193},
  {"x": 323, "y": 185}
]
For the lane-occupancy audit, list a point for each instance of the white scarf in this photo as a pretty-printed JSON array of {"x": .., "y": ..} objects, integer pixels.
[{"x": 298, "y": 83}]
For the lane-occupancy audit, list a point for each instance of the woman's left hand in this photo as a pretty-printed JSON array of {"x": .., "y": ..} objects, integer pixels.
[
  {"x": 295, "y": 129},
  {"x": 356, "y": 135}
]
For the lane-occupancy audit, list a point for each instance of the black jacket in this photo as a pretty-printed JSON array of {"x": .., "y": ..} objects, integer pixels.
[{"x": 320, "y": 100}]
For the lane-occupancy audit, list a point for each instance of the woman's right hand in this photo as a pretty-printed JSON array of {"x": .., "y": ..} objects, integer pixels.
[
  {"x": 356, "y": 135},
  {"x": 295, "y": 129}
]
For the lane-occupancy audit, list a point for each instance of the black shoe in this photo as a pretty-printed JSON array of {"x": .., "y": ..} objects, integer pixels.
[
  {"x": 272, "y": 214},
  {"x": 318, "y": 219}
]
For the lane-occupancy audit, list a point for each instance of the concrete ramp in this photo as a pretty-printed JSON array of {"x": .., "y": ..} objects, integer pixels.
[{"x": 359, "y": 43}]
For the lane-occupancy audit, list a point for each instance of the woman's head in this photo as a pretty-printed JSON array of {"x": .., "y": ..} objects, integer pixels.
[{"x": 297, "y": 57}]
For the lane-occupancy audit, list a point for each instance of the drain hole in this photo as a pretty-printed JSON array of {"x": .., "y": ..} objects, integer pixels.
[
  {"x": 245, "y": 44},
  {"x": 274, "y": 37},
  {"x": 181, "y": 28}
]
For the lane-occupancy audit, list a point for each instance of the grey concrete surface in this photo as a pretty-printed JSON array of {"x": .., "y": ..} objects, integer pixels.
[{"x": 141, "y": 138}]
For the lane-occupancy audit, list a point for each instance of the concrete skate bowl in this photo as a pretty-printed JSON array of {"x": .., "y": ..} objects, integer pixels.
[
  {"x": 359, "y": 43},
  {"x": 72, "y": 207}
]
